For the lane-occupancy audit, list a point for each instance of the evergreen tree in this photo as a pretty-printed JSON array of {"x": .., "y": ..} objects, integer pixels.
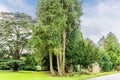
[
  {"x": 90, "y": 53},
  {"x": 55, "y": 19}
]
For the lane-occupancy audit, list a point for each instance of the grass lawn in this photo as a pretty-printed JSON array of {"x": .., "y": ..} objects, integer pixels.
[{"x": 43, "y": 75}]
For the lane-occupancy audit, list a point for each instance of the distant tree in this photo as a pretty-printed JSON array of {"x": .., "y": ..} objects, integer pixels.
[
  {"x": 111, "y": 46},
  {"x": 101, "y": 42},
  {"x": 111, "y": 42}
]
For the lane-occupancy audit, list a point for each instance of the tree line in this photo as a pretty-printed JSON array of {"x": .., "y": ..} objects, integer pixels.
[{"x": 53, "y": 40}]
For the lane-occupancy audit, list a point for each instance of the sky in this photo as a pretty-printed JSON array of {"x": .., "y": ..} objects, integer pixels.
[
  {"x": 99, "y": 16},
  {"x": 27, "y": 6}
]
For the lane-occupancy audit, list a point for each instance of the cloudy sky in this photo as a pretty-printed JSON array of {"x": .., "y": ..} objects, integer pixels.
[{"x": 100, "y": 16}]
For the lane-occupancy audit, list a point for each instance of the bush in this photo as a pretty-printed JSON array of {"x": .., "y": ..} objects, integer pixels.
[
  {"x": 106, "y": 63},
  {"x": 4, "y": 66},
  {"x": 38, "y": 68},
  {"x": 15, "y": 64},
  {"x": 30, "y": 63},
  {"x": 29, "y": 67}
]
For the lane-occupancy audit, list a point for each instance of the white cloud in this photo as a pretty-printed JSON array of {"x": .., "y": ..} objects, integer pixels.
[
  {"x": 21, "y": 4},
  {"x": 100, "y": 19},
  {"x": 3, "y": 8}
]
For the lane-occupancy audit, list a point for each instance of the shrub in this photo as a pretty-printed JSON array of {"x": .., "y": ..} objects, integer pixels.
[
  {"x": 15, "y": 64},
  {"x": 38, "y": 68},
  {"x": 106, "y": 63},
  {"x": 4, "y": 66},
  {"x": 30, "y": 63}
]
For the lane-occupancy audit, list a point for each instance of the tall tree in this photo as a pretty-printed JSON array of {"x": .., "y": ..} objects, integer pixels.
[
  {"x": 55, "y": 19},
  {"x": 50, "y": 17},
  {"x": 111, "y": 42},
  {"x": 73, "y": 12},
  {"x": 111, "y": 46},
  {"x": 101, "y": 42}
]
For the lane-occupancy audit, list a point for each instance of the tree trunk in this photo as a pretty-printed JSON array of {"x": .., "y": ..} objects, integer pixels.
[
  {"x": 17, "y": 55},
  {"x": 51, "y": 65},
  {"x": 16, "y": 64},
  {"x": 15, "y": 67},
  {"x": 58, "y": 66},
  {"x": 61, "y": 62},
  {"x": 64, "y": 46}
]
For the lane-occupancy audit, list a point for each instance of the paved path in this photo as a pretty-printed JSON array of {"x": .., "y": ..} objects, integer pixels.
[{"x": 107, "y": 77}]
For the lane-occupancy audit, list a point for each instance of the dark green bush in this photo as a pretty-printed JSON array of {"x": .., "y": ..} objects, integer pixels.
[
  {"x": 29, "y": 67},
  {"x": 29, "y": 63},
  {"x": 106, "y": 63},
  {"x": 26, "y": 62},
  {"x": 4, "y": 66},
  {"x": 15, "y": 64}
]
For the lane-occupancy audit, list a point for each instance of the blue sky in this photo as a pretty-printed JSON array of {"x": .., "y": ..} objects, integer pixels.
[
  {"x": 100, "y": 16},
  {"x": 28, "y": 6}
]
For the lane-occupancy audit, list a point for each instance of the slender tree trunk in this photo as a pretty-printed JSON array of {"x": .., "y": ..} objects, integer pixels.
[
  {"x": 58, "y": 66},
  {"x": 51, "y": 64},
  {"x": 64, "y": 46},
  {"x": 61, "y": 61}
]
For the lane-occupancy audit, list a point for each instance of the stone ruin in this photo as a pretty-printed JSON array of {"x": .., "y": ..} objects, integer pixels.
[{"x": 94, "y": 68}]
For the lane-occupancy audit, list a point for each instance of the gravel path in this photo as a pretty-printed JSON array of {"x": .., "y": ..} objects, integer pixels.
[{"x": 107, "y": 77}]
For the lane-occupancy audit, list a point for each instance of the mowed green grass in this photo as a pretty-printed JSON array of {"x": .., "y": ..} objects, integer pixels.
[
  {"x": 43, "y": 75},
  {"x": 31, "y": 75}
]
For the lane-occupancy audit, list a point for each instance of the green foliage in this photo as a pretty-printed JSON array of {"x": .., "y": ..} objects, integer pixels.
[
  {"x": 15, "y": 32},
  {"x": 4, "y": 66},
  {"x": 111, "y": 46},
  {"x": 55, "y": 20},
  {"x": 15, "y": 64},
  {"x": 110, "y": 42},
  {"x": 106, "y": 63},
  {"x": 8, "y": 64},
  {"x": 90, "y": 53},
  {"x": 29, "y": 63},
  {"x": 73, "y": 47},
  {"x": 15, "y": 29}
]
